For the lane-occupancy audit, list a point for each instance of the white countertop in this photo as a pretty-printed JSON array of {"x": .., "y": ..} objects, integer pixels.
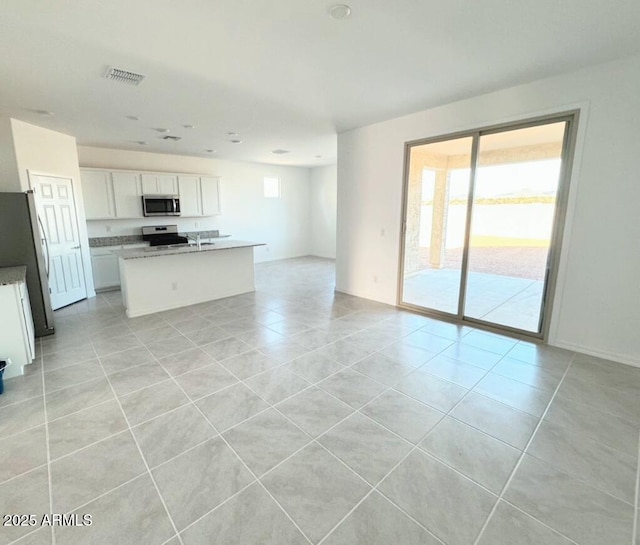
[
  {"x": 158, "y": 251},
  {"x": 12, "y": 275}
]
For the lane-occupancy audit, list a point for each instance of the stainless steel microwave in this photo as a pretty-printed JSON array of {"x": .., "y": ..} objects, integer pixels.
[{"x": 161, "y": 205}]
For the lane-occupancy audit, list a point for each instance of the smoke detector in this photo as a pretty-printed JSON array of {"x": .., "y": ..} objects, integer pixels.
[
  {"x": 123, "y": 76},
  {"x": 169, "y": 137},
  {"x": 339, "y": 11},
  {"x": 280, "y": 151}
]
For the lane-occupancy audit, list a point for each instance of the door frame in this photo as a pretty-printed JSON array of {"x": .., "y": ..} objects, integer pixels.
[
  {"x": 30, "y": 175},
  {"x": 571, "y": 117}
]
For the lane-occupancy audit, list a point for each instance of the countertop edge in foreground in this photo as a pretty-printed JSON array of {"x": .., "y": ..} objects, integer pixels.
[
  {"x": 13, "y": 275},
  {"x": 139, "y": 253}
]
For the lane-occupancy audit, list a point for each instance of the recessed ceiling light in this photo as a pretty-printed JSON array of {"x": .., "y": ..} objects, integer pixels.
[
  {"x": 172, "y": 138},
  {"x": 236, "y": 141},
  {"x": 162, "y": 130},
  {"x": 141, "y": 142},
  {"x": 210, "y": 150},
  {"x": 232, "y": 133},
  {"x": 45, "y": 113},
  {"x": 339, "y": 11},
  {"x": 318, "y": 156},
  {"x": 280, "y": 151},
  {"x": 133, "y": 117},
  {"x": 189, "y": 126}
]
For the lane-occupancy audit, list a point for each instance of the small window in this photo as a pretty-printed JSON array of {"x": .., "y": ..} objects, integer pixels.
[{"x": 271, "y": 187}]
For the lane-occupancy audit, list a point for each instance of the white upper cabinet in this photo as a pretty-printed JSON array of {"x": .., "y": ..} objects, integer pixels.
[
  {"x": 117, "y": 193},
  {"x": 110, "y": 195},
  {"x": 149, "y": 183},
  {"x": 190, "y": 197},
  {"x": 168, "y": 184},
  {"x": 97, "y": 191},
  {"x": 155, "y": 183},
  {"x": 210, "y": 189},
  {"x": 126, "y": 193},
  {"x": 199, "y": 195}
]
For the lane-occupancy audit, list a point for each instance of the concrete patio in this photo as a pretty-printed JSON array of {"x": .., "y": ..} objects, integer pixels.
[{"x": 503, "y": 300}]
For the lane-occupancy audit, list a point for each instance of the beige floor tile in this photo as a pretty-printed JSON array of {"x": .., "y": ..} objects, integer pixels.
[
  {"x": 454, "y": 509},
  {"x": 315, "y": 489},
  {"x": 199, "y": 480}
]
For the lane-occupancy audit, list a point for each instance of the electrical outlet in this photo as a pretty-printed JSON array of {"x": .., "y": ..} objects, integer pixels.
[
  {"x": 375, "y": 278},
  {"x": 266, "y": 248},
  {"x": 108, "y": 228},
  {"x": 383, "y": 232},
  {"x": 174, "y": 286},
  {"x": 196, "y": 225}
]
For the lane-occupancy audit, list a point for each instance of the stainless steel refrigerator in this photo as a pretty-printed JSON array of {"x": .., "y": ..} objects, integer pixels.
[{"x": 22, "y": 242}]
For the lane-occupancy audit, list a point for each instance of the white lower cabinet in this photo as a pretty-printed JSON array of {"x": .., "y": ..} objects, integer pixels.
[
  {"x": 17, "y": 339},
  {"x": 106, "y": 271}
]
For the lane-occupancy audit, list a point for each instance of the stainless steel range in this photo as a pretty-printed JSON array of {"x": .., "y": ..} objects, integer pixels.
[{"x": 163, "y": 235}]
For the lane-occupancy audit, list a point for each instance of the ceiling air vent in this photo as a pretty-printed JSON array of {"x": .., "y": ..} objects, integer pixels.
[
  {"x": 130, "y": 78},
  {"x": 280, "y": 151},
  {"x": 169, "y": 137}
]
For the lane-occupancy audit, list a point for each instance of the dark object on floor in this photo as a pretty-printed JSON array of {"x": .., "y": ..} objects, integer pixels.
[{"x": 3, "y": 366}]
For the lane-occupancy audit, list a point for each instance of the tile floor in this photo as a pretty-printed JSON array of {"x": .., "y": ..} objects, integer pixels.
[{"x": 296, "y": 415}]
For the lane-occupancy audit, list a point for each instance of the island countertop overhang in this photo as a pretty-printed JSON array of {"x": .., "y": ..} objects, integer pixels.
[{"x": 159, "y": 251}]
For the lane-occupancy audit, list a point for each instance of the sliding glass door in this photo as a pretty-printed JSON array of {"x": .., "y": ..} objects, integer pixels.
[
  {"x": 437, "y": 202},
  {"x": 482, "y": 214}
]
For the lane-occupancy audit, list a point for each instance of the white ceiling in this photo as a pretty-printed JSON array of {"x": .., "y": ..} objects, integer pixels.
[{"x": 282, "y": 73}]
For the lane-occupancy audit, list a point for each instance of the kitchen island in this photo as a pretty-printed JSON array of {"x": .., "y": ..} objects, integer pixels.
[{"x": 158, "y": 278}]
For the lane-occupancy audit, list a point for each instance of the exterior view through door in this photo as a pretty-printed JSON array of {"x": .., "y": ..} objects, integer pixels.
[
  {"x": 59, "y": 224},
  {"x": 483, "y": 217}
]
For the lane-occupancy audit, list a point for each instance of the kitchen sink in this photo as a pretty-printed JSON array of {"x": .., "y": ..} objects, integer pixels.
[{"x": 202, "y": 244}]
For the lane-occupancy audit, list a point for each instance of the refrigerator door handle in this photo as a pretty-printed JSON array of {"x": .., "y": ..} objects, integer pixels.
[{"x": 46, "y": 244}]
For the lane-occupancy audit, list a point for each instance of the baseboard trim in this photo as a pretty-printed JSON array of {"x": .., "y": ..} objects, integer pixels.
[
  {"x": 195, "y": 301},
  {"x": 625, "y": 359},
  {"x": 364, "y": 296},
  {"x": 613, "y": 356}
]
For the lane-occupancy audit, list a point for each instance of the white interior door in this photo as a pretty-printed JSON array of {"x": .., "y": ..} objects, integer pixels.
[{"x": 57, "y": 213}]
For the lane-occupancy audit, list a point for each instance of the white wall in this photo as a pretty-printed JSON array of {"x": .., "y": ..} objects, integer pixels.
[
  {"x": 42, "y": 151},
  {"x": 9, "y": 178},
  {"x": 246, "y": 215},
  {"x": 597, "y": 304},
  {"x": 324, "y": 196}
]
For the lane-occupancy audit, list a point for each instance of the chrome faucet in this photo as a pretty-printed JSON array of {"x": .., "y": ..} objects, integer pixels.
[{"x": 196, "y": 240}]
